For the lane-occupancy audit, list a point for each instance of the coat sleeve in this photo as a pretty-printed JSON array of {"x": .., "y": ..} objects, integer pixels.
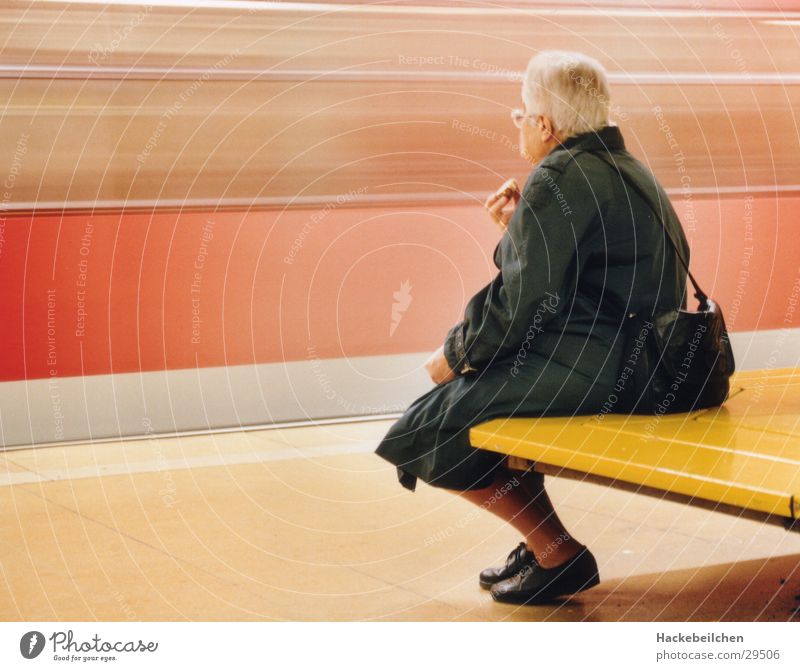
[
  {"x": 539, "y": 259},
  {"x": 498, "y": 256}
]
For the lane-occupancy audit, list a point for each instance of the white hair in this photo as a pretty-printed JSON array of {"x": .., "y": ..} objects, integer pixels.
[{"x": 568, "y": 88}]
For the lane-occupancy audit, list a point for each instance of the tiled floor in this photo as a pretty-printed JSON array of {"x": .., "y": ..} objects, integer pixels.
[{"x": 309, "y": 524}]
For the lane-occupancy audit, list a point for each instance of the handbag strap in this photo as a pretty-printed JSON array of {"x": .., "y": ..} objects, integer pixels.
[{"x": 605, "y": 157}]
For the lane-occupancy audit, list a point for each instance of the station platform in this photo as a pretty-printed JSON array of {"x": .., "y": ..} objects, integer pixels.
[{"x": 308, "y": 524}]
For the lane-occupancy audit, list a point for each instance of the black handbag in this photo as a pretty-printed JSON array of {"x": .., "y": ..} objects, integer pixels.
[{"x": 675, "y": 360}]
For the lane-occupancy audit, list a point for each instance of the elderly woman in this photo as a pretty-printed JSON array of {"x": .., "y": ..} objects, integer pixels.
[{"x": 544, "y": 337}]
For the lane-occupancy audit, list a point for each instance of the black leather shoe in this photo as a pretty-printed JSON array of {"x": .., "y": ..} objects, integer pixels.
[
  {"x": 518, "y": 558},
  {"x": 534, "y": 584}
]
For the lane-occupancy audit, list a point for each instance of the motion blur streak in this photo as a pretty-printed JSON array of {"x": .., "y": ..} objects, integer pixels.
[{"x": 314, "y": 159}]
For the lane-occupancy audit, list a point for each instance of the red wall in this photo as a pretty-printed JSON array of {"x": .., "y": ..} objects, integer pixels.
[{"x": 336, "y": 295}]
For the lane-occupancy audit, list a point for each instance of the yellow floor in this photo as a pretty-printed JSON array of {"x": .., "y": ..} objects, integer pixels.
[{"x": 308, "y": 524}]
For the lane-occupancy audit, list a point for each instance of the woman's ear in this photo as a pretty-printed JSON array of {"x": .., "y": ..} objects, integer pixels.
[
  {"x": 548, "y": 131},
  {"x": 545, "y": 127}
]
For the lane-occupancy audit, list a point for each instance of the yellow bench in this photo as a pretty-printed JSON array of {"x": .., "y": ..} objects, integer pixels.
[{"x": 742, "y": 458}]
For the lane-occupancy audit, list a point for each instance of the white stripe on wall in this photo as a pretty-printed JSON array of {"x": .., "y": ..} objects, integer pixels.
[
  {"x": 195, "y": 400},
  {"x": 41, "y": 412}
]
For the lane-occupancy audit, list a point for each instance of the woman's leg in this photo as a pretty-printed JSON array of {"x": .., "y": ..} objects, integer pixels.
[{"x": 521, "y": 500}]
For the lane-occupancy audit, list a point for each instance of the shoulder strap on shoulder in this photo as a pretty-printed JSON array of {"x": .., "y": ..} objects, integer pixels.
[{"x": 606, "y": 157}]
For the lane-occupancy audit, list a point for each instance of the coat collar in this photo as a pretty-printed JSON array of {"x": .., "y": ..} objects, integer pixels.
[{"x": 608, "y": 138}]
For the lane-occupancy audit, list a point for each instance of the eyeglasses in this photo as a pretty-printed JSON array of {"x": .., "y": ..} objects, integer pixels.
[{"x": 518, "y": 116}]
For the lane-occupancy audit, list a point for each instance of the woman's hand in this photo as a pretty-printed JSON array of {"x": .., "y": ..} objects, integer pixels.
[
  {"x": 508, "y": 192},
  {"x": 438, "y": 368}
]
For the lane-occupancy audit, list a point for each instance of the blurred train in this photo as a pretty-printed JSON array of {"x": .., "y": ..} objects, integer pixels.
[{"x": 224, "y": 214}]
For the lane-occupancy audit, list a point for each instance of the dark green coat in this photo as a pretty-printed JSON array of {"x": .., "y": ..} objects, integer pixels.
[
  {"x": 579, "y": 252},
  {"x": 544, "y": 337}
]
